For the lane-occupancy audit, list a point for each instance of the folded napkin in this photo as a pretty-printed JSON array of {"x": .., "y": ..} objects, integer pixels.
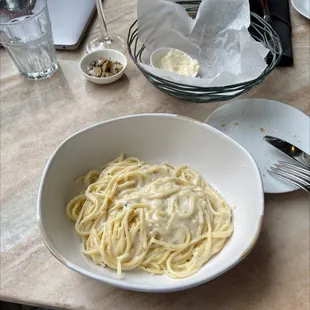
[{"x": 281, "y": 23}]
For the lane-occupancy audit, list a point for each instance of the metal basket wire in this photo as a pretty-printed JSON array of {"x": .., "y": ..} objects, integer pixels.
[{"x": 261, "y": 31}]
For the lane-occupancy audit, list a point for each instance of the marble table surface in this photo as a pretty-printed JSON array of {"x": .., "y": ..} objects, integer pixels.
[{"x": 37, "y": 115}]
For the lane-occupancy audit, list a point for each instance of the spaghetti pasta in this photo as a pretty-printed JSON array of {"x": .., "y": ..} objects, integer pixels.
[{"x": 160, "y": 218}]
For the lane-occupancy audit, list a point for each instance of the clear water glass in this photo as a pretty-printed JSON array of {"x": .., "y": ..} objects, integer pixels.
[{"x": 26, "y": 34}]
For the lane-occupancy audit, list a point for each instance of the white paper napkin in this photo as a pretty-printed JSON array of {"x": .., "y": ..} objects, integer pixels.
[{"x": 218, "y": 38}]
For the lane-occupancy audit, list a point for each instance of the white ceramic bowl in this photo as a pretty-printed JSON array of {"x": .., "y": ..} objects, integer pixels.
[
  {"x": 153, "y": 138},
  {"x": 159, "y": 53},
  {"x": 113, "y": 54}
]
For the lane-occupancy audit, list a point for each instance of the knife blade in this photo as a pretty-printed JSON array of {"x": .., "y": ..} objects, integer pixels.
[{"x": 289, "y": 149}]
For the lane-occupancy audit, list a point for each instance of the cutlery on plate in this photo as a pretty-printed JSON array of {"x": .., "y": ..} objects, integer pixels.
[
  {"x": 294, "y": 173},
  {"x": 290, "y": 150}
]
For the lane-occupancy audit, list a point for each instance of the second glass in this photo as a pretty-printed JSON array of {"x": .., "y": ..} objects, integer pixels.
[{"x": 107, "y": 40}]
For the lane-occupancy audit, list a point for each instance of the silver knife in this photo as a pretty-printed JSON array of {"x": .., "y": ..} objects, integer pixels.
[{"x": 290, "y": 150}]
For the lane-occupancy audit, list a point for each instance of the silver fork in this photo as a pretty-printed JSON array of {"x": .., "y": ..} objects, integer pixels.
[{"x": 296, "y": 174}]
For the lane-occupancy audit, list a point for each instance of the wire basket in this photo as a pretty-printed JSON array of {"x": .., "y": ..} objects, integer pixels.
[{"x": 260, "y": 30}]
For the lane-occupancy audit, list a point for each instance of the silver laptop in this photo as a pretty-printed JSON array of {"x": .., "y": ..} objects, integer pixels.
[{"x": 70, "y": 19}]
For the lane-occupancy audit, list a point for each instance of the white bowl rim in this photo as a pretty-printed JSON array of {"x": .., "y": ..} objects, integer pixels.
[
  {"x": 142, "y": 287},
  {"x": 161, "y": 49},
  {"x": 102, "y": 78}
]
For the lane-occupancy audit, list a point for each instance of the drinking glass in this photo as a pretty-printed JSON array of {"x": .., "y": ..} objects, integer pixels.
[
  {"x": 107, "y": 40},
  {"x": 25, "y": 32}
]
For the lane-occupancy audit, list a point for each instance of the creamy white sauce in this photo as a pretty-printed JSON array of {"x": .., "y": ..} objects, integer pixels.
[{"x": 167, "y": 217}]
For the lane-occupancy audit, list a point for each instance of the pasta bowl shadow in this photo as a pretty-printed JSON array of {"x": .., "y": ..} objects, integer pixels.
[{"x": 153, "y": 138}]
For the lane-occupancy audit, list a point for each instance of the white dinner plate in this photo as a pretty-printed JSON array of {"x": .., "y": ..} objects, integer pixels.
[
  {"x": 302, "y": 6},
  {"x": 248, "y": 120}
]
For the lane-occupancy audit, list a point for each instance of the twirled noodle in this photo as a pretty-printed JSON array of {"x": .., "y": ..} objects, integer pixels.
[{"x": 160, "y": 218}]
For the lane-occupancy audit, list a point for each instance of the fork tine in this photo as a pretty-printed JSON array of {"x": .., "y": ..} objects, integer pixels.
[
  {"x": 289, "y": 179},
  {"x": 296, "y": 166},
  {"x": 293, "y": 173},
  {"x": 290, "y": 174},
  {"x": 289, "y": 169}
]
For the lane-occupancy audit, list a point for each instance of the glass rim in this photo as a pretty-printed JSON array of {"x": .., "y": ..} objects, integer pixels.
[{"x": 28, "y": 19}]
